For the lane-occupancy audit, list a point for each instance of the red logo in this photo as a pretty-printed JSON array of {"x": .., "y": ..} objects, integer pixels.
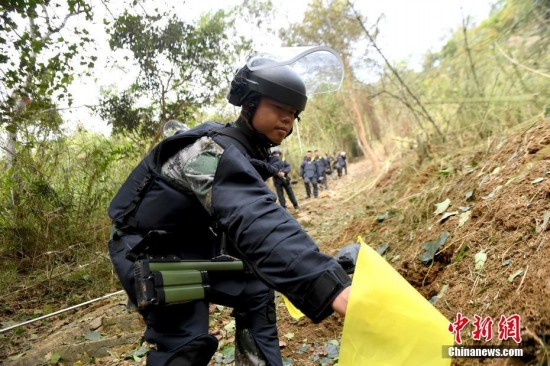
[
  {"x": 508, "y": 327},
  {"x": 457, "y": 326},
  {"x": 483, "y": 328}
]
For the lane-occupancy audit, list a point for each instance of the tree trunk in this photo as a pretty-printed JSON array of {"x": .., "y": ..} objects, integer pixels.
[
  {"x": 362, "y": 134},
  {"x": 10, "y": 149},
  {"x": 372, "y": 118},
  {"x": 358, "y": 124}
]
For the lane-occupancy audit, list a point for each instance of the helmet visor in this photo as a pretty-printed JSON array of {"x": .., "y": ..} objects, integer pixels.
[{"x": 320, "y": 67}]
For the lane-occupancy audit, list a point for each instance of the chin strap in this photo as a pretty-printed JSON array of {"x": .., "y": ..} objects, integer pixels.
[
  {"x": 250, "y": 109},
  {"x": 260, "y": 143}
]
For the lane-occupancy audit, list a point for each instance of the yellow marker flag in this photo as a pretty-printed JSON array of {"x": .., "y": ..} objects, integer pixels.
[
  {"x": 388, "y": 323},
  {"x": 292, "y": 310}
]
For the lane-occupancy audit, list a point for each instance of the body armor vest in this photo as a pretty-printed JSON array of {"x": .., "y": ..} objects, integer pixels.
[{"x": 146, "y": 201}]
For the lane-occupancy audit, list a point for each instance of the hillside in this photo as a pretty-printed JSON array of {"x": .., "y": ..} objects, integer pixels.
[{"x": 499, "y": 195}]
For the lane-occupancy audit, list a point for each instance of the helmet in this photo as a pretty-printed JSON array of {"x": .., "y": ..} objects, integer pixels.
[
  {"x": 279, "y": 82},
  {"x": 276, "y": 150}
]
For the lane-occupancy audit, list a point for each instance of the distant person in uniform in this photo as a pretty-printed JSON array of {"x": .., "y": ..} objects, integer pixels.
[
  {"x": 330, "y": 162},
  {"x": 340, "y": 164},
  {"x": 308, "y": 172},
  {"x": 321, "y": 165},
  {"x": 342, "y": 161},
  {"x": 336, "y": 165},
  {"x": 282, "y": 180}
]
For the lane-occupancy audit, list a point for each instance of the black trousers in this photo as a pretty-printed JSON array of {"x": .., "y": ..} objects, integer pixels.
[
  {"x": 175, "y": 328},
  {"x": 308, "y": 182},
  {"x": 280, "y": 188},
  {"x": 323, "y": 181}
]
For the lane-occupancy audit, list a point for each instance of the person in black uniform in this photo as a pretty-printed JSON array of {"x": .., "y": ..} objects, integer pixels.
[
  {"x": 281, "y": 180},
  {"x": 206, "y": 188},
  {"x": 308, "y": 172},
  {"x": 341, "y": 159},
  {"x": 321, "y": 165}
]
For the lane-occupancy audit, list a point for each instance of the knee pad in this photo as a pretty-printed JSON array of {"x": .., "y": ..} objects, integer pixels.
[{"x": 198, "y": 352}]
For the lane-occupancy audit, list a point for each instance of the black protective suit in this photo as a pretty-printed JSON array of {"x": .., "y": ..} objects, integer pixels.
[{"x": 277, "y": 252}]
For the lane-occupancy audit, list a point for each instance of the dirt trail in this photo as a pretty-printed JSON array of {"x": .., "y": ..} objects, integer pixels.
[{"x": 499, "y": 197}]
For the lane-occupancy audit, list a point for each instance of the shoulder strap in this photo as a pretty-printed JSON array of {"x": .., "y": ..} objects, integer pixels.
[
  {"x": 172, "y": 144},
  {"x": 235, "y": 134}
]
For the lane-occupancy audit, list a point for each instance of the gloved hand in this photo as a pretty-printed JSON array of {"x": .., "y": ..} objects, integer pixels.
[{"x": 347, "y": 257}]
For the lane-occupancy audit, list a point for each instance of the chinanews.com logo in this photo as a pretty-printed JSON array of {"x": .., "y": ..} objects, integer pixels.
[{"x": 508, "y": 328}]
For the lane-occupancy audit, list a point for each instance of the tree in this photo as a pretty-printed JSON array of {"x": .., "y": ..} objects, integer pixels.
[
  {"x": 39, "y": 40},
  {"x": 182, "y": 67}
]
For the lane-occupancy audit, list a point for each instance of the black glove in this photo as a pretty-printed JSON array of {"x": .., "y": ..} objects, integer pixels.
[{"x": 347, "y": 257}]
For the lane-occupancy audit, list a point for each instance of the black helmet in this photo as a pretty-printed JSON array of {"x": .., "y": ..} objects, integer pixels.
[{"x": 280, "y": 83}]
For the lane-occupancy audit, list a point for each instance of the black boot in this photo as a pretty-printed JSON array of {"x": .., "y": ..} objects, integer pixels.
[{"x": 198, "y": 352}]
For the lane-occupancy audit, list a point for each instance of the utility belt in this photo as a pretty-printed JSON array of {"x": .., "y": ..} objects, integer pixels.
[
  {"x": 173, "y": 282},
  {"x": 162, "y": 278}
]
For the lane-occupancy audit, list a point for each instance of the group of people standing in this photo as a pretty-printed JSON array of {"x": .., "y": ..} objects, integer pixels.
[{"x": 315, "y": 171}]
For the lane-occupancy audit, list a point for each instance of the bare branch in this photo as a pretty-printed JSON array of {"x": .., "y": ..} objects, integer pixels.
[
  {"x": 515, "y": 62},
  {"x": 469, "y": 52},
  {"x": 395, "y": 73},
  {"x": 408, "y": 105},
  {"x": 105, "y": 4},
  {"x": 52, "y": 31}
]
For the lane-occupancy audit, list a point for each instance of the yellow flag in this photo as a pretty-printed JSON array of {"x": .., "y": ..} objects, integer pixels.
[
  {"x": 388, "y": 323},
  {"x": 292, "y": 310}
]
